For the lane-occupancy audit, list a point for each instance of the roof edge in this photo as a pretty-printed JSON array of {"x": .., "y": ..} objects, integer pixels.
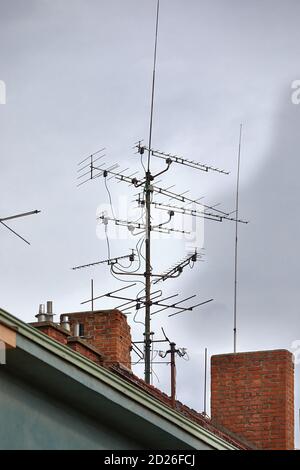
[{"x": 111, "y": 379}]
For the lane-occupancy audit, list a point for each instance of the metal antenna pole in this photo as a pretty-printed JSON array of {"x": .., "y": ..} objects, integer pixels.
[
  {"x": 205, "y": 381},
  {"x": 236, "y": 245},
  {"x": 173, "y": 373},
  {"x": 148, "y": 282},
  {"x": 148, "y": 197}
]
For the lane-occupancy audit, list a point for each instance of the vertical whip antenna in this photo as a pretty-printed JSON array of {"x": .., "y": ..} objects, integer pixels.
[
  {"x": 205, "y": 382},
  {"x": 153, "y": 86},
  {"x": 236, "y": 243}
]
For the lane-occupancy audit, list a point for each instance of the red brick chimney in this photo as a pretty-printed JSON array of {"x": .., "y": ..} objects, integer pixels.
[
  {"x": 107, "y": 331},
  {"x": 252, "y": 395}
]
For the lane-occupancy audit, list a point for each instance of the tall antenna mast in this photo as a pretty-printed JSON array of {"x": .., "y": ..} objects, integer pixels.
[
  {"x": 148, "y": 196},
  {"x": 236, "y": 243},
  {"x": 139, "y": 268}
]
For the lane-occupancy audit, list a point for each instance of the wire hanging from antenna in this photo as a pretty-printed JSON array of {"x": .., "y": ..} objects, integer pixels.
[
  {"x": 153, "y": 86},
  {"x": 236, "y": 243}
]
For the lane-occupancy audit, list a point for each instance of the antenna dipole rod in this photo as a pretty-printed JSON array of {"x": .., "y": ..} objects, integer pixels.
[
  {"x": 236, "y": 243},
  {"x": 153, "y": 87},
  {"x": 24, "y": 214}
]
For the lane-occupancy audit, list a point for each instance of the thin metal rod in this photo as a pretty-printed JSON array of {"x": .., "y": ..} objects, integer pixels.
[
  {"x": 153, "y": 86},
  {"x": 15, "y": 233},
  {"x": 205, "y": 381},
  {"x": 177, "y": 303},
  {"x": 236, "y": 244},
  {"x": 137, "y": 299},
  {"x": 154, "y": 341},
  {"x": 195, "y": 213},
  {"x": 180, "y": 197},
  {"x": 24, "y": 214},
  {"x": 89, "y": 156},
  {"x": 108, "y": 261},
  {"x": 88, "y": 165},
  {"x": 191, "y": 308},
  {"x": 108, "y": 293}
]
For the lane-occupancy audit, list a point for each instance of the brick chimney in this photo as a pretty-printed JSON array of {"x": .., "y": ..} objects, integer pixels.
[
  {"x": 107, "y": 331},
  {"x": 252, "y": 395}
]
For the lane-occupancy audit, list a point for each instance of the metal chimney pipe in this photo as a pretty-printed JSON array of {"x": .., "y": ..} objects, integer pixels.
[
  {"x": 76, "y": 329},
  {"x": 49, "y": 312},
  {"x": 49, "y": 307},
  {"x": 41, "y": 315},
  {"x": 65, "y": 322}
]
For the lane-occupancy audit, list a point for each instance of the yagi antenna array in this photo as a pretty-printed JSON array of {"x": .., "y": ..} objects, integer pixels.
[
  {"x": 151, "y": 302},
  {"x": 177, "y": 269},
  {"x": 132, "y": 226},
  {"x": 196, "y": 213},
  {"x": 141, "y": 269},
  {"x": 106, "y": 261},
  {"x": 139, "y": 302},
  {"x": 91, "y": 168},
  {"x": 169, "y": 158}
]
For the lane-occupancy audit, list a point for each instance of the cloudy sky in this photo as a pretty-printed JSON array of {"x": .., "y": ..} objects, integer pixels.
[{"x": 78, "y": 78}]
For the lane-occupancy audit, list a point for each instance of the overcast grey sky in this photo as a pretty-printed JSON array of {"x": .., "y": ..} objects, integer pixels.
[{"x": 78, "y": 76}]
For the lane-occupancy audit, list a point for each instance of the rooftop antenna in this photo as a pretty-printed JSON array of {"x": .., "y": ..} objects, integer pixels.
[
  {"x": 140, "y": 270},
  {"x": 17, "y": 216},
  {"x": 236, "y": 243}
]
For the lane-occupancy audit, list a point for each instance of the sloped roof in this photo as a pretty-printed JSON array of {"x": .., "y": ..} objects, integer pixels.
[
  {"x": 199, "y": 418},
  {"x": 131, "y": 388}
]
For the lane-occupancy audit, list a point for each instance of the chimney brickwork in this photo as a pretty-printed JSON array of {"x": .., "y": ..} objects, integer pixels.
[
  {"x": 252, "y": 395},
  {"x": 108, "y": 331},
  {"x": 54, "y": 331},
  {"x": 86, "y": 349}
]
